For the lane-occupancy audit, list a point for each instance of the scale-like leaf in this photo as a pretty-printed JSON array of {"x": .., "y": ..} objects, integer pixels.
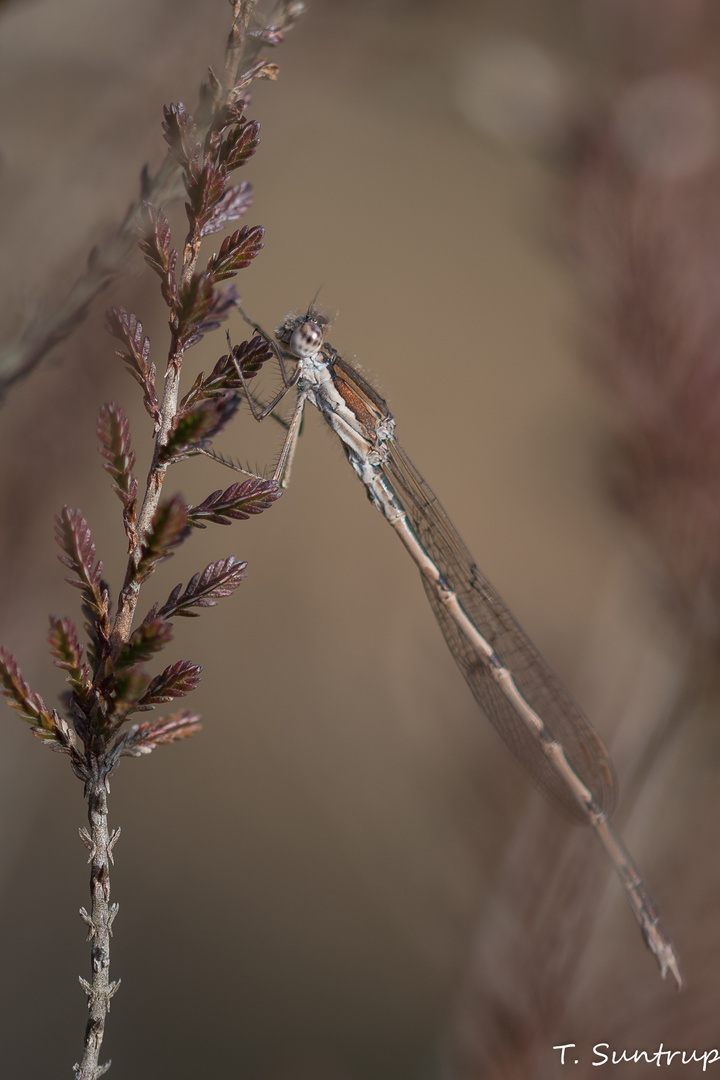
[
  {"x": 177, "y": 680},
  {"x": 200, "y": 422},
  {"x": 234, "y": 203},
  {"x": 194, "y": 302},
  {"x": 72, "y": 533},
  {"x": 236, "y": 503},
  {"x": 169, "y": 528},
  {"x": 143, "y": 738},
  {"x": 113, "y": 430},
  {"x": 150, "y": 637},
  {"x": 249, "y": 356},
  {"x": 26, "y": 702},
  {"x": 66, "y": 651},
  {"x": 236, "y": 252},
  {"x": 217, "y": 580},
  {"x": 240, "y": 144},
  {"x": 205, "y": 190},
  {"x": 128, "y": 329},
  {"x": 181, "y": 135}
]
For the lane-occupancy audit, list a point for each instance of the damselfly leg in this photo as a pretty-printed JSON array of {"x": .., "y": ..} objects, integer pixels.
[{"x": 260, "y": 412}]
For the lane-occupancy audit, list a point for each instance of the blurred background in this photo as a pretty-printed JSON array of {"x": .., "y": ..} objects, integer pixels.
[{"x": 512, "y": 209}]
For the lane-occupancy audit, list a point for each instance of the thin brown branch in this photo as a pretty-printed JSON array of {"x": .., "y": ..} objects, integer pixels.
[{"x": 99, "y": 988}]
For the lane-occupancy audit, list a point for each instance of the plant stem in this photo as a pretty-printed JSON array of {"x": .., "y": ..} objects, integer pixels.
[{"x": 99, "y": 989}]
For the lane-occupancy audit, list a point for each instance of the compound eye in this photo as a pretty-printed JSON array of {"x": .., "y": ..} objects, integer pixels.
[{"x": 306, "y": 339}]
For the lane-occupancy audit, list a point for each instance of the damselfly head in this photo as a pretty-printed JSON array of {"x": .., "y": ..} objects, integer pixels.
[
  {"x": 306, "y": 339},
  {"x": 303, "y": 334}
]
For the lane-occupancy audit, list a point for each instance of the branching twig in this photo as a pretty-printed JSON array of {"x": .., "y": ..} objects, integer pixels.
[{"x": 107, "y": 679}]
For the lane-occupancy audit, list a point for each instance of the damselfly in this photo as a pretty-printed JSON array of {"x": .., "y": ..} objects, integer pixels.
[{"x": 511, "y": 682}]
